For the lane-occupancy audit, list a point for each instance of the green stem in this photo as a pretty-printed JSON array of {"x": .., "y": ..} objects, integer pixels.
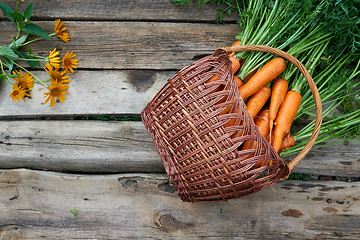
[
  {"x": 326, "y": 92},
  {"x": 34, "y": 40},
  {"x": 43, "y": 81},
  {"x": 34, "y": 60},
  {"x": 310, "y": 65},
  {"x": 19, "y": 30},
  {"x": 3, "y": 71}
]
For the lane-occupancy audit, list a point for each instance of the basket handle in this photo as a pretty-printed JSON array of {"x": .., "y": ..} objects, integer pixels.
[{"x": 312, "y": 85}]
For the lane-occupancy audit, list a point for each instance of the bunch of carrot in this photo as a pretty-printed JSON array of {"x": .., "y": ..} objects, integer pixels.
[
  {"x": 324, "y": 36},
  {"x": 283, "y": 103}
]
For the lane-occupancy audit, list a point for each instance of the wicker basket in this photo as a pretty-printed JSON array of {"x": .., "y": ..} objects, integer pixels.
[{"x": 201, "y": 156}]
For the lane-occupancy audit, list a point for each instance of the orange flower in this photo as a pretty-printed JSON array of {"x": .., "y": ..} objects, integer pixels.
[
  {"x": 68, "y": 63},
  {"x": 57, "y": 90},
  {"x": 54, "y": 58},
  {"x": 56, "y": 75},
  {"x": 26, "y": 81},
  {"x": 59, "y": 31},
  {"x": 18, "y": 93}
]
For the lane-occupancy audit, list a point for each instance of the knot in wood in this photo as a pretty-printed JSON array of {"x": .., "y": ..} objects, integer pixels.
[{"x": 167, "y": 222}]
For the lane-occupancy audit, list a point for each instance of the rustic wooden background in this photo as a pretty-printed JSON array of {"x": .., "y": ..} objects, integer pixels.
[{"x": 52, "y": 162}]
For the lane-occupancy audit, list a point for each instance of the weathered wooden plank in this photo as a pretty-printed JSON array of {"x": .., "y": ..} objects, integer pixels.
[
  {"x": 95, "y": 146},
  {"x": 37, "y": 205},
  {"x": 133, "y": 45},
  {"x": 335, "y": 160},
  {"x": 90, "y": 92},
  {"x": 85, "y": 146},
  {"x": 160, "y": 10}
]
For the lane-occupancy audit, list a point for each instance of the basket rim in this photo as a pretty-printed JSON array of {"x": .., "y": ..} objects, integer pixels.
[{"x": 318, "y": 104}]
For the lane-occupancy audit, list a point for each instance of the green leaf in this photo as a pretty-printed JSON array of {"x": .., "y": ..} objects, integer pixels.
[
  {"x": 9, "y": 63},
  {"x": 28, "y": 11},
  {"x": 30, "y": 51},
  {"x": 17, "y": 16},
  {"x": 2, "y": 76},
  {"x": 32, "y": 64},
  {"x": 18, "y": 42},
  {"x": 7, "y": 10},
  {"x": 35, "y": 30},
  {"x": 8, "y": 53}
]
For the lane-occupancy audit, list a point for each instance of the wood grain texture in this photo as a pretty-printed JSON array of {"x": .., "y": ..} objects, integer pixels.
[
  {"x": 94, "y": 146},
  {"x": 81, "y": 146},
  {"x": 36, "y": 205},
  {"x": 160, "y": 10},
  {"x": 133, "y": 45},
  {"x": 90, "y": 93}
]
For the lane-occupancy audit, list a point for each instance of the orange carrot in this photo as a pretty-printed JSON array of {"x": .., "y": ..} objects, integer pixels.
[
  {"x": 235, "y": 64},
  {"x": 278, "y": 92},
  {"x": 236, "y": 43},
  {"x": 214, "y": 78},
  {"x": 288, "y": 141},
  {"x": 228, "y": 108},
  {"x": 257, "y": 101},
  {"x": 231, "y": 123},
  {"x": 262, "y": 123},
  {"x": 268, "y": 72},
  {"x": 285, "y": 117},
  {"x": 238, "y": 82}
]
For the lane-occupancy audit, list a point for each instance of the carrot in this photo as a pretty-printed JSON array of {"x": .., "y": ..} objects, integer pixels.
[
  {"x": 239, "y": 84},
  {"x": 235, "y": 64},
  {"x": 236, "y": 43},
  {"x": 278, "y": 92},
  {"x": 257, "y": 101},
  {"x": 268, "y": 72},
  {"x": 238, "y": 81},
  {"x": 285, "y": 117},
  {"x": 214, "y": 78},
  {"x": 262, "y": 123},
  {"x": 231, "y": 123},
  {"x": 288, "y": 141}
]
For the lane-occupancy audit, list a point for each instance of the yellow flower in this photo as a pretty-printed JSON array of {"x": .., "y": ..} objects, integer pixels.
[
  {"x": 18, "y": 93},
  {"x": 54, "y": 58},
  {"x": 55, "y": 75},
  {"x": 68, "y": 63},
  {"x": 57, "y": 90},
  {"x": 60, "y": 31},
  {"x": 26, "y": 81}
]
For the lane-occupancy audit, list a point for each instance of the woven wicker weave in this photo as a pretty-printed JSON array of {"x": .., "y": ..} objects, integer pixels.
[{"x": 200, "y": 147}]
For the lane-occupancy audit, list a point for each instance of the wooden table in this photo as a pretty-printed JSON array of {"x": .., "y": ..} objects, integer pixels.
[{"x": 53, "y": 161}]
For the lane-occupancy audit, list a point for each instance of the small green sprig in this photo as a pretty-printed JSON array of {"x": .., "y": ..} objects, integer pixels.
[
  {"x": 74, "y": 212},
  {"x": 25, "y": 29}
]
